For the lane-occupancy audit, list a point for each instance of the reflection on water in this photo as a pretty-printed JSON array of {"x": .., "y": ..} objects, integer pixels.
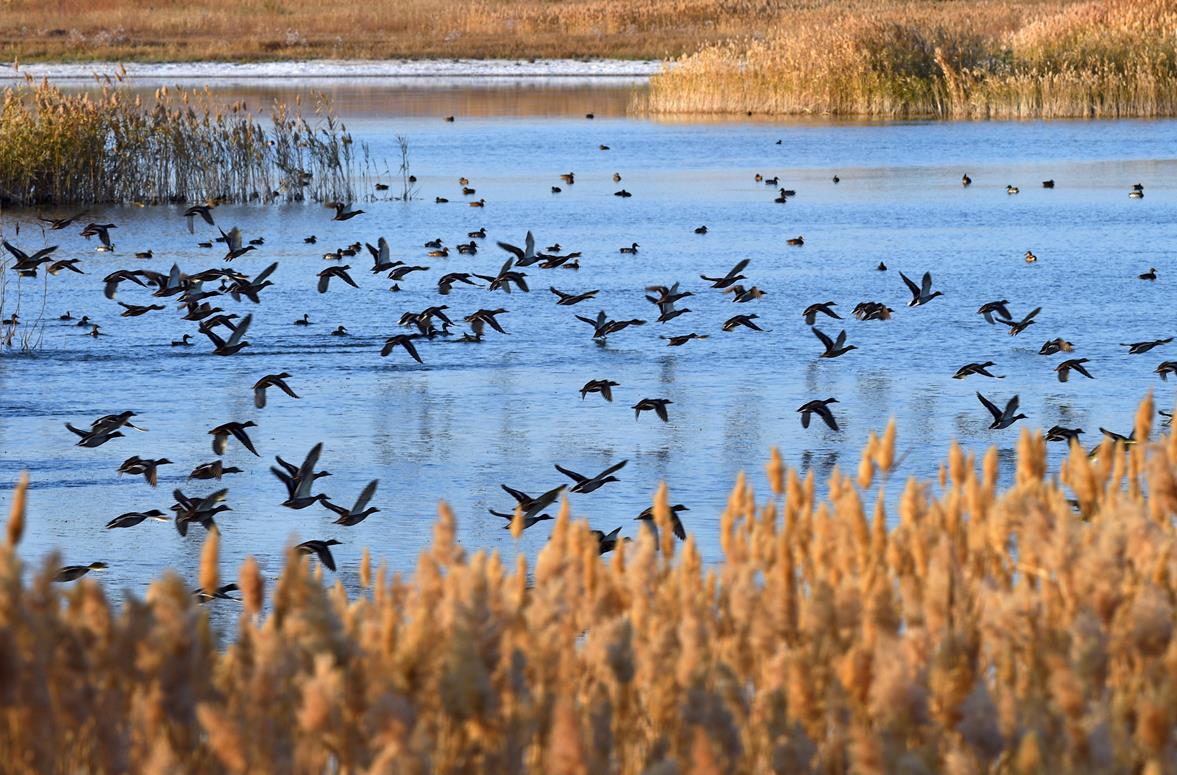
[{"x": 504, "y": 411}]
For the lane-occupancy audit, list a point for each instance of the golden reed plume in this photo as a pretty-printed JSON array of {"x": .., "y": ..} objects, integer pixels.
[{"x": 1026, "y": 629}]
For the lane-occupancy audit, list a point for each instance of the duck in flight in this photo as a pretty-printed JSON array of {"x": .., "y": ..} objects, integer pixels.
[
  {"x": 1002, "y": 418},
  {"x": 586, "y": 484},
  {"x": 655, "y": 405},
  {"x": 602, "y": 386},
  {"x": 735, "y": 321},
  {"x": 360, "y": 511},
  {"x": 335, "y": 271},
  {"x": 998, "y": 308},
  {"x": 1064, "y": 369},
  {"x": 676, "y": 525},
  {"x": 342, "y": 213},
  {"x": 922, "y": 293},
  {"x": 731, "y": 278},
  {"x": 833, "y": 347},
  {"x": 568, "y": 299},
  {"x": 237, "y": 430},
  {"x": 1060, "y": 433},
  {"x": 198, "y": 510},
  {"x": 820, "y": 407},
  {"x": 133, "y": 518},
  {"x": 979, "y": 369},
  {"x": 269, "y": 381},
  {"x": 214, "y": 470},
  {"x": 145, "y": 467},
  {"x": 321, "y": 550},
  {"x": 75, "y": 572},
  {"x": 404, "y": 341},
  {"x": 1053, "y": 346},
  {"x": 824, "y": 308},
  {"x": 531, "y": 507},
  {"x": 233, "y": 244},
  {"x": 1017, "y": 327},
  {"x": 235, "y": 342},
  {"x": 1138, "y": 348}
]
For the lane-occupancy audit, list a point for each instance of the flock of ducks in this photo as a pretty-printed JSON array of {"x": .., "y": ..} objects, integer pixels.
[{"x": 197, "y": 298}]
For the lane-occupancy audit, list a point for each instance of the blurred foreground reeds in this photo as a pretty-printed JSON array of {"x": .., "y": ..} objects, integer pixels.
[
  {"x": 966, "y": 59},
  {"x": 986, "y": 631},
  {"x": 110, "y": 145}
]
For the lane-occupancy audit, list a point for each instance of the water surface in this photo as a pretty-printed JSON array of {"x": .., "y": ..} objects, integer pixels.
[{"x": 504, "y": 411}]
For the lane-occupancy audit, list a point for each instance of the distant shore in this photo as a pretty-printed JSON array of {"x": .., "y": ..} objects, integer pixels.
[{"x": 424, "y": 71}]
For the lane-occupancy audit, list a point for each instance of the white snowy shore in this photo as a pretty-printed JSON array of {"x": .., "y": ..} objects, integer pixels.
[{"x": 431, "y": 72}]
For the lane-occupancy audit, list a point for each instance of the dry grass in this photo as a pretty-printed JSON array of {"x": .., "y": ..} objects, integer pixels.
[
  {"x": 111, "y": 146},
  {"x": 988, "y": 631},
  {"x": 173, "y": 30},
  {"x": 1108, "y": 58}
]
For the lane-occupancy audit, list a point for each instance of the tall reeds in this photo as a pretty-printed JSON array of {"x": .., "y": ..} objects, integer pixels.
[
  {"x": 112, "y": 146},
  {"x": 1100, "y": 59},
  {"x": 987, "y": 631}
]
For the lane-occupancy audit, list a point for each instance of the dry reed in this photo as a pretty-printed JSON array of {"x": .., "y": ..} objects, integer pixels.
[
  {"x": 112, "y": 146},
  {"x": 1106, "y": 58},
  {"x": 987, "y": 631}
]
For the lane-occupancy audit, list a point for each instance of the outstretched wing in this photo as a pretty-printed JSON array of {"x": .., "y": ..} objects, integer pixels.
[{"x": 993, "y": 410}]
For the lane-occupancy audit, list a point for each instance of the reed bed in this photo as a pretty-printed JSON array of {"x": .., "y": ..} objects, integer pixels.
[
  {"x": 171, "y": 30},
  {"x": 987, "y": 631},
  {"x": 113, "y": 146},
  {"x": 1102, "y": 59}
]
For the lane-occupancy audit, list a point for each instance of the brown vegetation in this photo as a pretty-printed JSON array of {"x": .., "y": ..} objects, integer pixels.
[
  {"x": 1105, "y": 58},
  {"x": 113, "y": 146},
  {"x": 987, "y": 631},
  {"x": 176, "y": 30}
]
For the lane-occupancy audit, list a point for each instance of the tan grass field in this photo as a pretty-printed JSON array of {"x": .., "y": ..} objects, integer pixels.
[{"x": 988, "y": 631}]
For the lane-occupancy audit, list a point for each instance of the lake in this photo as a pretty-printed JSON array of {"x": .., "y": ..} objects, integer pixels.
[{"x": 507, "y": 409}]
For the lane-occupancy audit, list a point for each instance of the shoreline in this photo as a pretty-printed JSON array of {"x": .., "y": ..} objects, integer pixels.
[{"x": 422, "y": 72}]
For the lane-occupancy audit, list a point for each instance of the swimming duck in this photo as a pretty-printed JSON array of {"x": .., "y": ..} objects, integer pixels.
[
  {"x": 467, "y": 191},
  {"x": 1048, "y": 183},
  {"x": 1012, "y": 190},
  {"x": 603, "y": 147},
  {"x": 381, "y": 186},
  {"x": 1030, "y": 257},
  {"x": 311, "y": 240},
  {"x": 305, "y": 320},
  {"x": 183, "y": 341},
  {"x": 965, "y": 180},
  {"x": 440, "y": 200},
  {"x": 797, "y": 241},
  {"x": 698, "y": 230},
  {"x": 74, "y": 572},
  {"x": 656, "y": 405},
  {"x": 1150, "y": 275},
  {"x": 602, "y": 386},
  {"x": 340, "y": 331},
  {"x": 622, "y": 193},
  {"x": 480, "y": 234},
  {"x": 144, "y": 254},
  {"x": 881, "y": 267},
  {"x": 836, "y": 179},
  {"x": 66, "y": 316},
  {"x": 1002, "y": 418},
  {"x": 820, "y": 407},
  {"x": 568, "y": 177},
  {"x": 479, "y": 203},
  {"x": 631, "y": 250}
]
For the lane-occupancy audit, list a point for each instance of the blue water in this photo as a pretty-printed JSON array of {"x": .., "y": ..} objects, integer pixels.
[{"x": 505, "y": 410}]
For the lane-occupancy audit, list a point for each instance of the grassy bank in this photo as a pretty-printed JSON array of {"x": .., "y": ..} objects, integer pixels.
[
  {"x": 1106, "y": 58},
  {"x": 988, "y": 631},
  {"x": 112, "y": 146},
  {"x": 179, "y": 30}
]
